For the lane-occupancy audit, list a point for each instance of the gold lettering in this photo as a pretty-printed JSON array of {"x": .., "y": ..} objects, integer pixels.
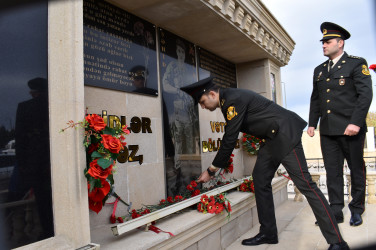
[
  {"x": 136, "y": 124},
  {"x": 133, "y": 157},
  {"x": 204, "y": 146}
]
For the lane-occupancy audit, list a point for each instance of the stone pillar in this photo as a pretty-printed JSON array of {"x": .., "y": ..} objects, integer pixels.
[
  {"x": 371, "y": 188},
  {"x": 298, "y": 195},
  {"x": 316, "y": 178},
  {"x": 348, "y": 176}
]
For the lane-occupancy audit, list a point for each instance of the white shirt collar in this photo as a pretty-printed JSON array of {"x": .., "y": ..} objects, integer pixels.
[{"x": 335, "y": 60}]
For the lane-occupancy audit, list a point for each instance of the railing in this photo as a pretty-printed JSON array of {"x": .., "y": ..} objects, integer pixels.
[{"x": 317, "y": 169}]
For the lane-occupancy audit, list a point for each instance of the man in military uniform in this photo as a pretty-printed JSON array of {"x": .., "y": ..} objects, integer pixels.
[
  {"x": 341, "y": 96},
  {"x": 248, "y": 112}
]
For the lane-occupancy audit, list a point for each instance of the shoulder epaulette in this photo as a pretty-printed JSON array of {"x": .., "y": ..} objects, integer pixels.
[{"x": 356, "y": 57}]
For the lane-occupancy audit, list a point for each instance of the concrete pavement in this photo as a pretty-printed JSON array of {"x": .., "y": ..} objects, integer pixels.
[{"x": 297, "y": 230}]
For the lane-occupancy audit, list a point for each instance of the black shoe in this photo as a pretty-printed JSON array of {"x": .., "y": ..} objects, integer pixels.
[
  {"x": 339, "y": 246},
  {"x": 356, "y": 219},
  {"x": 338, "y": 219},
  {"x": 261, "y": 239}
]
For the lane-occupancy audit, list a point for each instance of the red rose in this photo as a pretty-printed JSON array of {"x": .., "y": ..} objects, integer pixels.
[
  {"x": 190, "y": 188},
  {"x": 96, "y": 122},
  {"x": 244, "y": 139},
  {"x": 170, "y": 200},
  {"x": 162, "y": 201},
  {"x": 92, "y": 147},
  {"x": 112, "y": 143},
  {"x": 120, "y": 219},
  {"x": 97, "y": 171}
]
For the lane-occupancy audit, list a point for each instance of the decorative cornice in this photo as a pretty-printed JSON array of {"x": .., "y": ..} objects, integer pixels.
[{"x": 261, "y": 27}]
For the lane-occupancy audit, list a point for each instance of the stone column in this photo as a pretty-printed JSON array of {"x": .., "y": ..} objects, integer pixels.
[
  {"x": 348, "y": 177},
  {"x": 298, "y": 195},
  {"x": 371, "y": 188},
  {"x": 316, "y": 178}
]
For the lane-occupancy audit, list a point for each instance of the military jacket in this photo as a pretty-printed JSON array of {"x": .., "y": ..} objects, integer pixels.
[
  {"x": 341, "y": 96},
  {"x": 248, "y": 112}
]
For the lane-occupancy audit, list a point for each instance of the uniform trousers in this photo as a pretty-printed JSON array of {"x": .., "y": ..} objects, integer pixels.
[
  {"x": 335, "y": 149},
  {"x": 296, "y": 166}
]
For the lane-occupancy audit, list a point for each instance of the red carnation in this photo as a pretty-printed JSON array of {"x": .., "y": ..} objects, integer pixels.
[
  {"x": 373, "y": 67},
  {"x": 218, "y": 208},
  {"x": 120, "y": 219},
  {"x": 113, "y": 219},
  {"x": 170, "y": 200},
  {"x": 193, "y": 183},
  {"x": 196, "y": 192}
]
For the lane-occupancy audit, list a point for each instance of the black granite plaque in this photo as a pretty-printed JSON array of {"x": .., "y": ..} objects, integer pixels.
[
  {"x": 180, "y": 114},
  {"x": 119, "y": 49},
  {"x": 213, "y": 65}
]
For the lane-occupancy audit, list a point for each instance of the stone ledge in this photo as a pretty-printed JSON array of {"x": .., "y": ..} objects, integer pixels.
[{"x": 189, "y": 226}]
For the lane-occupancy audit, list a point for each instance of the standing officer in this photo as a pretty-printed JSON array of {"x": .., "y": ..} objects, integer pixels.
[
  {"x": 248, "y": 112},
  {"x": 341, "y": 96}
]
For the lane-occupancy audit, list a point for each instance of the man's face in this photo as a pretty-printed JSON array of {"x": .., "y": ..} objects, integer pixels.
[
  {"x": 332, "y": 47},
  {"x": 180, "y": 53},
  {"x": 209, "y": 101}
]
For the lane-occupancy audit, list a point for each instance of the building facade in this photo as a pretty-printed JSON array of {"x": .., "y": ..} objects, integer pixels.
[{"x": 126, "y": 61}]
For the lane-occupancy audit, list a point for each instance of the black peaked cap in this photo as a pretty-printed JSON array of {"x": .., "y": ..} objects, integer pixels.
[
  {"x": 332, "y": 30},
  {"x": 197, "y": 89}
]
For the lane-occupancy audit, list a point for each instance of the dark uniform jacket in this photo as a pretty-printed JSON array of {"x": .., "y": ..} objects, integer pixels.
[
  {"x": 342, "y": 96},
  {"x": 248, "y": 112}
]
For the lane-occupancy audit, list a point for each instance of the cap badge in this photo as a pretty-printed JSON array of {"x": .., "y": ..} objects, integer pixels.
[
  {"x": 324, "y": 31},
  {"x": 231, "y": 113}
]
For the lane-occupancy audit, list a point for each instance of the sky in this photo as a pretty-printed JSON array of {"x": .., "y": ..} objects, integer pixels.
[{"x": 302, "y": 20}]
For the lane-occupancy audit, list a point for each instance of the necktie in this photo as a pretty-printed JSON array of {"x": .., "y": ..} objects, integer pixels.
[{"x": 330, "y": 65}]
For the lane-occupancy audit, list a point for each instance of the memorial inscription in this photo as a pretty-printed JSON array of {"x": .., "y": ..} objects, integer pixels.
[{"x": 119, "y": 49}]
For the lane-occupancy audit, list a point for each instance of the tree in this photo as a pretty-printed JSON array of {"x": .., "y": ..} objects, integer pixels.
[{"x": 371, "y": 119}]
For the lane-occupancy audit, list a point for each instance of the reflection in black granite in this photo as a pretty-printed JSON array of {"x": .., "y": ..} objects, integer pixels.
[{"x": 25, "y": 180}]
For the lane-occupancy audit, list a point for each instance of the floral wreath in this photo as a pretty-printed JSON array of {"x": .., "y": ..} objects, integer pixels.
[
  {"x": 103, "y": 145},
  {"x": 251, "y": 144}
]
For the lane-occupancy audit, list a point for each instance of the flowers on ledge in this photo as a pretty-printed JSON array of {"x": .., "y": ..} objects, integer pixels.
[
  {"x": 373, "y": 67},
  {"x": 251, "y": 144},
  {"x": 214, "y": 204},
  {"x": 103, "y": 145},
  {"x": 247, "y": 185}
]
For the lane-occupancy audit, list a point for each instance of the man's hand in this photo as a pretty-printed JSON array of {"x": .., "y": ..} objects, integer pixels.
[
  {"x": 204, "y": 177},
  {"x": 352, "y": 130},
  {"x": 311, "y": 131}
]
